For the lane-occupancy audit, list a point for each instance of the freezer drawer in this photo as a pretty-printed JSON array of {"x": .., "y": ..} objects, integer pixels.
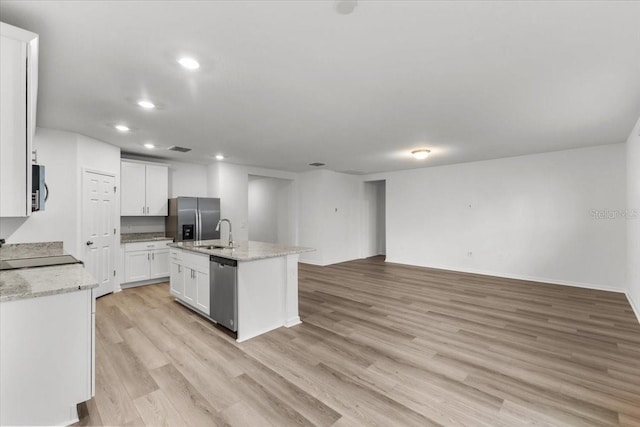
[{"x": 223, "y": 278}]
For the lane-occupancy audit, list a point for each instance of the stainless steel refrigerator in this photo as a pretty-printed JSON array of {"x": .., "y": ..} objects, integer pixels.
[{"x": 193, "y": 218}]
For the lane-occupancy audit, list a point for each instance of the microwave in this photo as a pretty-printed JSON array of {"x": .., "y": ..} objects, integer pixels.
[{"x": 39, "y": 190}]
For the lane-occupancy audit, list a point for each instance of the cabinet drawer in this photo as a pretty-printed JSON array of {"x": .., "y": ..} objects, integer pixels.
[
  {"x": 144, "y": 246},
  {"x": 196, "y": 261}
]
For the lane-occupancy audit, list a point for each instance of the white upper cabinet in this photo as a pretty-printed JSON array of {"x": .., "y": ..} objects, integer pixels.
[
  {"x": 18, "y": 94},
  {"x": 145, "y": 189}
]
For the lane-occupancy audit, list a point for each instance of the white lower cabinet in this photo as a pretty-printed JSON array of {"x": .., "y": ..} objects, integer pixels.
[
  {"x": 190, "y": 279},
  {"x": 145, "y": 261}
]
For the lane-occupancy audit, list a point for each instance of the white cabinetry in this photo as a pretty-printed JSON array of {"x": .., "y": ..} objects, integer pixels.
[
  {"x": 18, "y": 94},
  {"x": 47, "y": 358},
  {"x": 145, "y": 189},
  {"x": 190, "y": 279},
  {"x": 144, "y": 261}
]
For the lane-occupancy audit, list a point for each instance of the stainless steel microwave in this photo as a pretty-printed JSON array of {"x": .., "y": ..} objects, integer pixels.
[{"x": 39, "y": 190}]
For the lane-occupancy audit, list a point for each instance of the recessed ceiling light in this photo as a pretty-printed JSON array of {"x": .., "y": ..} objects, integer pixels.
[
  {"x": 149, "y": 145},
  {"x": 345, "y": 7},
  {"x": 189, "y": 63},
  {"x": 219, "y": 157},
  {"x": 146, "y": 104},
  {"x": 420, "y": 154},
  {"x": 122, "y": 128}
]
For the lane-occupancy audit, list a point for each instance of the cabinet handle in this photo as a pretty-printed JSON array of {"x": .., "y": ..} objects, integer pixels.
[
  {"x": 147, "y": 210},
  {"x": 148, "y": 257},
  {"x": 179, "y": 268},
  {"x": 153, "y": 256}
]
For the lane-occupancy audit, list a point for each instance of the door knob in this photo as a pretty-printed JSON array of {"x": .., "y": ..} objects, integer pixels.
[{"x": 89, "y": 243}]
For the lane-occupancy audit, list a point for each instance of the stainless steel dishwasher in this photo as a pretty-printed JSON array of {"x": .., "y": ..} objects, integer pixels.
[{"x": 223, "y": 291}]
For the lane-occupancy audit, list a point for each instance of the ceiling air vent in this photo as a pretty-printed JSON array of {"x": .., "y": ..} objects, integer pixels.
[
  {"x": 317, "y": 164},
  {"x": 180, "y": 149}
]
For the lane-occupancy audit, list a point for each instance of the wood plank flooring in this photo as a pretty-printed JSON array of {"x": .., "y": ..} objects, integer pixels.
[{"x": 380, "y": 344}]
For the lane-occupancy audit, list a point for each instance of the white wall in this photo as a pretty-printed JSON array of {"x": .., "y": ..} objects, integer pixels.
[
  {"x": 187, "y": 179},
  {"x": 330, "y": 216},
  {"x": 525, "y": 217},
  {"x": 269, "y": 207},
  {"x": 633, "y": 223},
  {"x": 231, "y": 184},
  {"x": 64, "y": 155},
  {"x": 57, "y": 151}
]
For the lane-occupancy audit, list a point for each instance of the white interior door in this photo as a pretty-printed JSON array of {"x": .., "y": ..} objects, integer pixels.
[{"x": 98, "y": 229}]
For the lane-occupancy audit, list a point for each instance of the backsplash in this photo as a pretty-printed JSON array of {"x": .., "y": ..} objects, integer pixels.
[{"x": 141, "y": 224}]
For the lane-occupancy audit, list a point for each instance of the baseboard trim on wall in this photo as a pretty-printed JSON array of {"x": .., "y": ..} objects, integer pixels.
[
  {"x": 519, "y": 277},
  {"x": 636, "y": 310}
]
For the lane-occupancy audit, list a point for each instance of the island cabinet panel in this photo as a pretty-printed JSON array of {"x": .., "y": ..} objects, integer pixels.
[
  {"x": 177, "y": 279},
  {"x": 190, "y": 279},
  {"x": 46, "y": 358}
]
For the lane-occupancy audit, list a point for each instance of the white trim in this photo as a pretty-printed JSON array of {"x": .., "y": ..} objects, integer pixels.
[
  {"x": 144, "y": 283},
  {"x": 519, "y": 277},
  {"x": 315, "y": 263},
  {"x": 144, "y": 162},
  {"x": 635, "y": 309}
]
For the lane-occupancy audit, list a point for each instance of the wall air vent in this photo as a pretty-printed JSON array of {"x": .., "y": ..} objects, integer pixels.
[
  {"x": 317, "y": 164},
  {"x": 180, "y": 149}
]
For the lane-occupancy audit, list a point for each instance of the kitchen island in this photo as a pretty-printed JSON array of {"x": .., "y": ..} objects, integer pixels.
[{"x": 266, "y": 282}]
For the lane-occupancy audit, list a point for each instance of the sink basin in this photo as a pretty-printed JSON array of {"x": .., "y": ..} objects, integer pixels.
[{"x": 212, "y": 247}]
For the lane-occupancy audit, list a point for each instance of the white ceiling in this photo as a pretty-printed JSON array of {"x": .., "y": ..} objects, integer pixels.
[{"x": 287, "y": 83}]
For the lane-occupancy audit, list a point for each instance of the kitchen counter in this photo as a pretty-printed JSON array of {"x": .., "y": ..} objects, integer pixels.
[
  {"x": 243, "y": 250},
  {"x": 30, "y": 250},
  {"x": 142, "y": 237},
  {"x": 42, "y": 281}
]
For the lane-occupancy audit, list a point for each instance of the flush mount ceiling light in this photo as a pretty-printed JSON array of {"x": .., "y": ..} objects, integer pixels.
[
  {"x": 219, "y": 157},
  {"x": 189, "y": 63},
  {"x": 122, "y": 128},
  {"x": 146, "y": 104},
  {"x": 149, "y": 145},
  {"x": 345, "y": 7},
  {"x": 420, "y": 154}
]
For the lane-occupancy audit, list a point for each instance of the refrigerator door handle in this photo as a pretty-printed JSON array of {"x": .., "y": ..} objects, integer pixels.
[{"x": 198, "y": 225}]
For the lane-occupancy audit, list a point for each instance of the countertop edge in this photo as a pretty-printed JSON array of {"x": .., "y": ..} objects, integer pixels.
[
  {"x": 222, "y": 254},
  {"x": 19, "y": 297}
]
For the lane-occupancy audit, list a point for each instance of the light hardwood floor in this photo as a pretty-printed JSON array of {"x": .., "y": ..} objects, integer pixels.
[{"x": 380, "y": 344}]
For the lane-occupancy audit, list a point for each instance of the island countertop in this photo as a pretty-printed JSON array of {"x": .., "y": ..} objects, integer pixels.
[
  {"x": 246, "y": 250},
  {"x": 42, "y": 281}
]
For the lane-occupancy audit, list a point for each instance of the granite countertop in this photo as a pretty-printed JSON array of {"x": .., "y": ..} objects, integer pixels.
[
  {"x": 243, "y": 250},
  {"x": 40, "y": 281},
  {"x": 142, "y": 237}
]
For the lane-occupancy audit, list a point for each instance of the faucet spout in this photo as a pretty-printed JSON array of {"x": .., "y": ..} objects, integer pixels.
[{"x": 230, "y": 235}]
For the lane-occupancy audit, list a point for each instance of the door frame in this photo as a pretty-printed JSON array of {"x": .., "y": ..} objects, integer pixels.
[{"x": 115, "y": 242}]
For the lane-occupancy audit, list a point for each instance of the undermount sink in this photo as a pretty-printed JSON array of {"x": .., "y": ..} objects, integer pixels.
[{"x": 213, "y": 247}]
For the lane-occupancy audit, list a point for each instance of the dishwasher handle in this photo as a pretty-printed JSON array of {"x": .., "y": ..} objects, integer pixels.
[{"x": 223, "y": 261}]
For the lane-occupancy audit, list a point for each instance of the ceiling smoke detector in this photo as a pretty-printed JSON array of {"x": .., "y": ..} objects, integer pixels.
[
  {"x": 345, "y": 7},
  {"x": 179, "y": 149}
]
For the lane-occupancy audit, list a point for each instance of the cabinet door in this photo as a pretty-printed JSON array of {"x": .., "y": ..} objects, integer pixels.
[
  {"x": 137, "y": 266},
  {"x": 157, "y": 189},
  {"x": 132, "y": 183},
  {"x": 14, "y": 194},
  {"x": 159, "y": 263},
  {"x": 177, "y": 279},
  {"x": 202, "y": 288},
  {"x": 190, "y": 286}
]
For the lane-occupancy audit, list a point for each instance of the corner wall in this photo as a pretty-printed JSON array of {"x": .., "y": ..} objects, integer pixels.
[
  {"x": 532, "y": 217},
  {"x": 633, "y": 223}
]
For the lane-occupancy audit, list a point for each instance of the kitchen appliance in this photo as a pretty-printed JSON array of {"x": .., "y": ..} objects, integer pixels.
[
  {"x": 193, "y": 218},
  {"x": 223, "y": 291},
  {"x": 39, "y": 189},
  {"x": 45, "y": 261}
]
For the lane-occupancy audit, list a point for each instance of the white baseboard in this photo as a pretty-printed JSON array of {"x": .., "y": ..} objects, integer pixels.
[
  {"x": 635, "y": 308},
  {"x": 144, "y": 283},
  {"x": 519, "y": 277}
]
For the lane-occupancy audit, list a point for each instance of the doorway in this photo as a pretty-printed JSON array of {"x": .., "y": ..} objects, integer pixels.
[
  {"x": 271, "y": 215},
  {"x": 98, "y": 228},
  {"x": 374, "y": 218}
]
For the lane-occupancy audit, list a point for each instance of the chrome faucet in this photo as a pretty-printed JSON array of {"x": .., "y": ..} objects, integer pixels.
[{"x": 230, "y": 235}]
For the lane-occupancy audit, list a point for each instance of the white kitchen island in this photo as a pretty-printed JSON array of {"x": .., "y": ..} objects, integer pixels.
[{"x": 267, "y": 282}]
